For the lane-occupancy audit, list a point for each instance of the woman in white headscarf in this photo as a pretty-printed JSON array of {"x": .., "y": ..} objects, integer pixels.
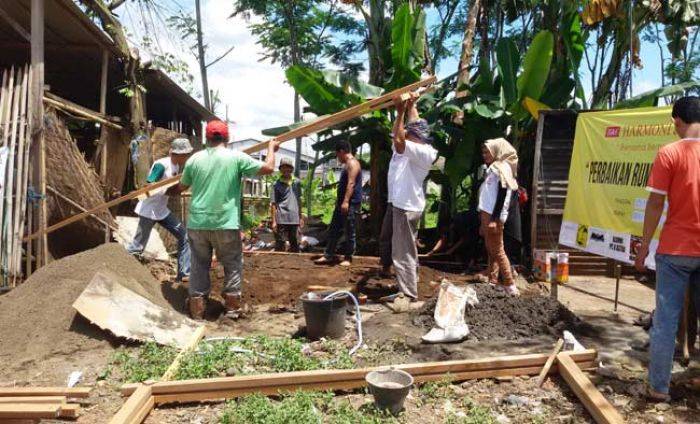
[{"x": 495, "y": 195}]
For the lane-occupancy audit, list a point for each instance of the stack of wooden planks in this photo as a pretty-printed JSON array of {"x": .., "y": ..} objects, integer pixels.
[{"x": 27, "y": 403}]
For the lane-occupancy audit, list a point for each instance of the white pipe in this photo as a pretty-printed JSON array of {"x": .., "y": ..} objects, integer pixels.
[{"x": 358, "y": 317}]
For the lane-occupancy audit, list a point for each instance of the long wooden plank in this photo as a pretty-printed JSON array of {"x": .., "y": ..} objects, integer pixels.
[
  {"x": 191, "y": 345},
  {"x": 341, "y": 385},
  {"x": 103, "y": 206},
  {"x": 29, "y": 410},
  {"x": 550, "y": 361},
  {"x": 140, "y": 402},
  {"x": 84, "y": 112},
  {"x": 325, "y": 376},
  {"x": 69, "y": 392},
  {"x": 303, "y": 130},
  {"x": 599, "y": 407},
  {"x": 33, "y": 399}
]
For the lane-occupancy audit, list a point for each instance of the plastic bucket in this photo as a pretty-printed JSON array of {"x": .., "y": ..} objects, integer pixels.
[
  {"x": 324, "y": 318},
  {"x": 389, "y": 388}
]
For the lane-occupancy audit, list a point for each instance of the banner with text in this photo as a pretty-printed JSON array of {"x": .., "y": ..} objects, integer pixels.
[{"x": 611, "y": 161}]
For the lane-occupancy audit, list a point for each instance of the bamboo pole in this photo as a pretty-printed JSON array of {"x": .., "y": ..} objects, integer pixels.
[
  {"x": 25, "y": 216},
  {"x": 9, "y": 185},
  {"x": 384, "y": 101},
  {"x": 5, "y": 138},
  {"x": 3, "y": 101},
  {"x": 20, "y": 192}
]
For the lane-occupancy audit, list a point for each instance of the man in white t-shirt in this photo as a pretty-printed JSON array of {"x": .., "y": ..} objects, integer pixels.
[
  {"x": 154, "y": 209},
  {"x": 410, "y": 163}
]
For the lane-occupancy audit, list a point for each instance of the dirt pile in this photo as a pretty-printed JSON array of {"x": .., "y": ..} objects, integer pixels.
[
  {"x": 37, "y": 319},
  {"x": 502, "y": 317}
]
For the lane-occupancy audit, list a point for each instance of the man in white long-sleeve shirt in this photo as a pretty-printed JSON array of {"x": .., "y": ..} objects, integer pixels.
[{"x": 410, "y": 163}]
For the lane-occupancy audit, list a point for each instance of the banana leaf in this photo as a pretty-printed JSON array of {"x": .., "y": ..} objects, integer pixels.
[
  {"x": 322, "y": 97},
  {"x": 651, "y": 98},
  {"x": 352, "y": 85},
  {"x": 536, "y": 64},
  {"x": 508, "y": 61},
  {"x": 575, "y": 43},
  {"x": 402, "y": 47},
  {"x": 275, "y": 131}
]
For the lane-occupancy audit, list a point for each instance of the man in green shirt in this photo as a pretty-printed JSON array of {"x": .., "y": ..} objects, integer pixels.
[{"x": 214, "y": 175}]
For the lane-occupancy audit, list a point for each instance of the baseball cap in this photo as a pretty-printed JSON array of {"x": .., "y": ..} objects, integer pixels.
[
  {"x": 286, "y": 162},
  {"x": 181, "y": 146},
  {"x": 217, "y": 127}
]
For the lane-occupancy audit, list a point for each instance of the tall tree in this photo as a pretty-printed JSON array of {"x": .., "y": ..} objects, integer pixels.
[
  {"x": 130, "y": 58},
  {"x": 297, "y": 32}
]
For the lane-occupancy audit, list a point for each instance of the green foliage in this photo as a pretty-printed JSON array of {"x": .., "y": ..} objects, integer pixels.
[
  {"x": 508, "y": 60},
  {"x": 259, "y": 354},
  {"x": 300, "y": 407},
  {"x": 651, "y": 98},
  {"x": 351, "y": 84},
  {"x": 148, "y": 362},
  {"x": 407, "y": 29},
  {"x": 321, "y": 96},
  {"x": 536, "y": 65}
]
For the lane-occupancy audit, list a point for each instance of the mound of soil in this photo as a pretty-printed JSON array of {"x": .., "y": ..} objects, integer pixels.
[
  {"x": 37, "y": 319},
  {"x": 499, "y": 316}
]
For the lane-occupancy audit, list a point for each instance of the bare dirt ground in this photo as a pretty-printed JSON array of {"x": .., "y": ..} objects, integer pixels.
[{"x": 273, "y": 285}]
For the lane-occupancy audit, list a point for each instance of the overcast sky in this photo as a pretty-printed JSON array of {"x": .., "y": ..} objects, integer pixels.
[{"x": 256, "y": 93}]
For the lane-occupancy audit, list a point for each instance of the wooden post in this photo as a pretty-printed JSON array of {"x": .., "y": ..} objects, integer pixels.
[
  {"x": 103, "y": 130},
  {"x": 37, "y": 123},
  {"x": 103, "y": 111}
]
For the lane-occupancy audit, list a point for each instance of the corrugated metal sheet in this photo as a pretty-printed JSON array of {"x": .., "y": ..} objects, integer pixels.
[{"x": 553, "y": 149}]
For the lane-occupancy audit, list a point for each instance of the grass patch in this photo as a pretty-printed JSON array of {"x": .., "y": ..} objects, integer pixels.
[
  {"x": 260, "y": 354},
  {"x": 148, "y": 362},
  {"x": 393, "y": 351},
  {"x": 300, "y": 407}
]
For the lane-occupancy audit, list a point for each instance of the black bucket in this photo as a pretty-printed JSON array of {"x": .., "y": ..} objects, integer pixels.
[{"x": 324, "y": 318}]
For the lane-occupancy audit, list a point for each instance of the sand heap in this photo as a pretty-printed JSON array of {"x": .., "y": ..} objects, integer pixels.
[
  {"x": 502, "y": 317},
  {"x": 37, "y": 319}
]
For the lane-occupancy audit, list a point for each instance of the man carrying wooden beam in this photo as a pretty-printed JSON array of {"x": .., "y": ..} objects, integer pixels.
[
  {"x": 154, "y": 209},
  {"x": 214, "y": 175},
  {"x": 675, "y": 175},
  {"x": 410, "y": 163}
]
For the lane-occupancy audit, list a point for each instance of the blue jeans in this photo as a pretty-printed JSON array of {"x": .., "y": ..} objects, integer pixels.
[
  {"x": 343, "y": 224},
  {"x": 674, "y": 274},
  {"x": 174, "y": 227}
]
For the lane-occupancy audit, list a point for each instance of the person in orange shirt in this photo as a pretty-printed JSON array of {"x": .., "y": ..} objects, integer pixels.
[{"x": 675, "y": 175}]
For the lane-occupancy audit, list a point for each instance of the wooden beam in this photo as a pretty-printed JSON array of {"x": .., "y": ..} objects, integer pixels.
[
  {"x": 326, "y": 376},
  {"x": 191, "y": 345},
  {"x": 15, "y": 25},
  {"x": 36, "y": 110},
  {"x": 314, "y": 126},
  {"x": 69, "y": 392},
  {"x": 29, "y": 410},
  {"x": 103, "y": 111},
  {"x": 33, "y": 399},
  {"x": 84, "y": 112},
  {"x": 101, "y": 207},
  {"x": 550, "y": 362},
  {"x": 599, "y": 407},
  {"x": 136, "y": 407},
  {"x": 199, "y": 396},
  {"x": 81, "y": 208}
]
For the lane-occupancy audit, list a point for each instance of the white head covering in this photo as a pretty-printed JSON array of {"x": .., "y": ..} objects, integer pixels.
[{"x": 505, "y": 161}]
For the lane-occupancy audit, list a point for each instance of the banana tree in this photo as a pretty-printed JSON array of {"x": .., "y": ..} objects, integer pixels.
[{"x": 329, "y": 92}]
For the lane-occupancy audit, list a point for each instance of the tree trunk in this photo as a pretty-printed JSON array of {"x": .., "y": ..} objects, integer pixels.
[
  {"x": 112, "y": 26},
  {"x": 601, "y": 94},
  {"x": 294, "y": 49},
  {"x": 201, "y": 57},
  {"x": 467, "y": 48}
]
